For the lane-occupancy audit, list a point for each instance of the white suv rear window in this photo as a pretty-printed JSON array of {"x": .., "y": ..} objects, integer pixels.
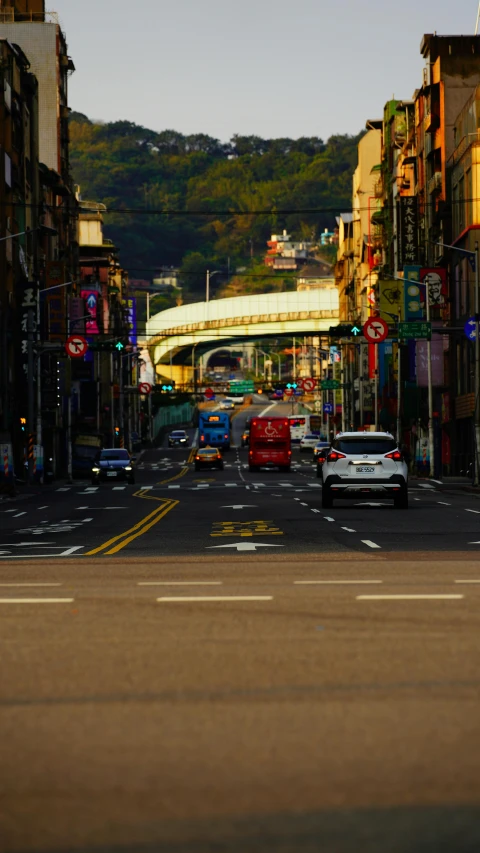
[{"x": 374, "y": 446}]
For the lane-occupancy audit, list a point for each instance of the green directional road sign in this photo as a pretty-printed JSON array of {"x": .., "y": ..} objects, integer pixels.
[
  {"x": 241, "y": 387},
  {"x": 329, "y": 384},
  {"x": 415, "y": 330}
]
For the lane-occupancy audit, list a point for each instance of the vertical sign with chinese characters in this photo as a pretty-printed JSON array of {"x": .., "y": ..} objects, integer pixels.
[
  {"x": 56, "y": 314},
  {"x": 28, "y": 304},
  {"x": 407, "y": 231},
  {"x": 131, "y": 318}
]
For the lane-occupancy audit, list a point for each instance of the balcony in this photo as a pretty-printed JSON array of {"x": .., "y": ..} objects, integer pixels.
[{"x": 435, "y": 183}]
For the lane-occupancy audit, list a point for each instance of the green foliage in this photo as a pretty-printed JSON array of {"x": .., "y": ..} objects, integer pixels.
[{"x": 129, "y": 167}]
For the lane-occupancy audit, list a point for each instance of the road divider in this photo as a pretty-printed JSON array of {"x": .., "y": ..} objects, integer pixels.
[{"x": 116, "y": 543}]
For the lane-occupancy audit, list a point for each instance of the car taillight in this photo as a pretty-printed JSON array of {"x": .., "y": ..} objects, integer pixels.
[
  {"x": 396, "y": 455},
  {"x": 250, "y": 453},
  {"x": 226, "y": 435},
  {"x": 289, "y": 452},
  {"x": 202, "y": 438},
  {"x": 334, "y": 455},
  {"x": 198, "y": 457}
]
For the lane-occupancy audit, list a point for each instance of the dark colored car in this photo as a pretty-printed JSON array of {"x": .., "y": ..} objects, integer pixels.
[
  {"x": 320, "y": 457},
  {"x": 114, "y": 464},
  {"x": 208, "y": 457},
  {"x": 178, "y": 438}
]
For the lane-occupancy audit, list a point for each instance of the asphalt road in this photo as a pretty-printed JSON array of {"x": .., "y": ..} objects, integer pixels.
[{"x": 312, "y": 686}]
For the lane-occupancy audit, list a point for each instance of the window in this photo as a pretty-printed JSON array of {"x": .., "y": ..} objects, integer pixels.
[{"x": 362, "y": 446}]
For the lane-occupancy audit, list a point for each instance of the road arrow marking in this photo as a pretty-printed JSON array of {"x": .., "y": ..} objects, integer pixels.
[
  {"x": 238, "y": 506},
  {"x": 244, "y": 546}
]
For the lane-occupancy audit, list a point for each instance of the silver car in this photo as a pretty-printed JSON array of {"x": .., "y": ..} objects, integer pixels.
[{"x": 365, "y": 463}]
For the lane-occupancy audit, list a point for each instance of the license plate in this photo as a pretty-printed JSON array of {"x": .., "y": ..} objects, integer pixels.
[
  {"x": 114, "y": 473},
  {"x": 365, "y": 469}
]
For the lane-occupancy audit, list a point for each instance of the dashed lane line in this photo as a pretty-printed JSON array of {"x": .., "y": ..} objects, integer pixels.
[
  {"x": 476, "y": 511},
  {"x": 327, "y": 518},
  {"x": 213, "y": 598},
  {"x": 370, "y": 543},
  {"x": 180, "y": 583},
  {"x": 36, "y": 600},
  {"x": 334, "y": 582},
  {"x": 349, "y": 529},
  {"x": 471, "y": 580},
  {"x": 401, "y": 597},
  {"x": 18, "y": 585},
  {"x": 443, "y": 503}
]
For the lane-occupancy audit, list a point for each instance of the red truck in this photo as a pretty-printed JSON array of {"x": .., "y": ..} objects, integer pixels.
[{"x": 269, "y": 444}]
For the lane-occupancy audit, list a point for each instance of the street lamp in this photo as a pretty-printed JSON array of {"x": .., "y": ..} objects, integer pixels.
[{"x": 207, "y": 284}]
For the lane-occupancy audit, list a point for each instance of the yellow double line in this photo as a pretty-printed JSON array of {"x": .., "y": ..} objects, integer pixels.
[{"x": 112, "y": 546}]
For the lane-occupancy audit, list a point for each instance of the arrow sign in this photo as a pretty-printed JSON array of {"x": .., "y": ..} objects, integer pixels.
[
  {"x": 244, "y": 546},
  {"x": 91, "y": 301},
  {"x": 238, "y": 506}
]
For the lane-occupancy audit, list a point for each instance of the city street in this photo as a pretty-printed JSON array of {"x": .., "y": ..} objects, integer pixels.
[{"x": 238, "y": 669}]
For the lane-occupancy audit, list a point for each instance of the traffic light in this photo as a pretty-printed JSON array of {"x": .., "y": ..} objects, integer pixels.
[
  {"x": 117, "y": 431},
  {"x": 291, "y": 386},
  {"x": 167, "y": 389},
  {"x": 23, "y": 424},
  {"x": 344, "y": 330}
]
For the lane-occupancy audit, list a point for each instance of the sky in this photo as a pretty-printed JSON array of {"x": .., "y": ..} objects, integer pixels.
[{"x": 272, "y": 68}]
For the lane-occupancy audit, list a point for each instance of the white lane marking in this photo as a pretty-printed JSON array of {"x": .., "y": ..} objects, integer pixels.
[
  {"x": 86, "y": 519},
  {"x": 243, "y": 546},
  {"x": 316, "y": 510},
  {"x": 43, "y": 507},
  {"x": 199, "y": 486},
  {"x": 258, "y": 484},
  {"x": 313, "y": 583},
  {"x": 262, "y": 414},
  {"x": 10, "y": 510},
  {"x": 314, "y": 485},
  {"x": 417, "y": 499},
  {"x": 70, "y": 550},
  {"x": 180, "y": 583},
  {"x": 19, "y": 514},
  {"x": 468, "y": 581},
  {"x": 173, "y": 487},
  {"x": 230, "y": 485},
  {"x": 36, "y": 600},
  {"x": 327, "y": 518},
  {"x": 349, "y": 529},
  {"x": 113, "y": 507},
  {"x": 118, "y": 488},
  {"x": 476, "y": 511},
  {"x": 286, "y": 485},
  {"x": 370, "y": 543},
  {"x": 409, "y": 597},
  {"x": 440, "y": 482},
  {"x": 443, "y": 503},
  {"x": 214, "y": 598},
  {"x": 296, "y": 499},
  {"x": 82, "y": 507},
  {"x": 239, "y": 506},
  {"x": 426, "y": 486},
  {"x": 63, "y": 489},
  {"x": 303, "y": 504},
  {"x": 29, "y": 584}
]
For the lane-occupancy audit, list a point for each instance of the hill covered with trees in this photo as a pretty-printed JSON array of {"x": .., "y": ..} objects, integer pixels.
[{"x": 142, "y": 173}]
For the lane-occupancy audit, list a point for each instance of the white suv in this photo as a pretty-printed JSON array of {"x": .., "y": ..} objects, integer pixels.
[{"x": 365, "y": 463}]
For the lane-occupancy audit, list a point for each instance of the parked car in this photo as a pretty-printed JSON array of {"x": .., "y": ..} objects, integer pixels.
[
  {"x": 112, "y": 464},
  {"x": 208, "y": 457},
  {"x": 365, "y": 463}
]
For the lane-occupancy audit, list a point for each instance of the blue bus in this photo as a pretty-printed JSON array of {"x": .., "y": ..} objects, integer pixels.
[{"x": 214, "y": 429}]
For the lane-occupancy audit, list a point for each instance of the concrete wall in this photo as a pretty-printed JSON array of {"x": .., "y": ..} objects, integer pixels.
[{"x": 39, "y": 43}]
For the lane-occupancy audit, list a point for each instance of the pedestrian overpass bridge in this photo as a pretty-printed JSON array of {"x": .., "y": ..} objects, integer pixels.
[{"x": 174, "y": 334}]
